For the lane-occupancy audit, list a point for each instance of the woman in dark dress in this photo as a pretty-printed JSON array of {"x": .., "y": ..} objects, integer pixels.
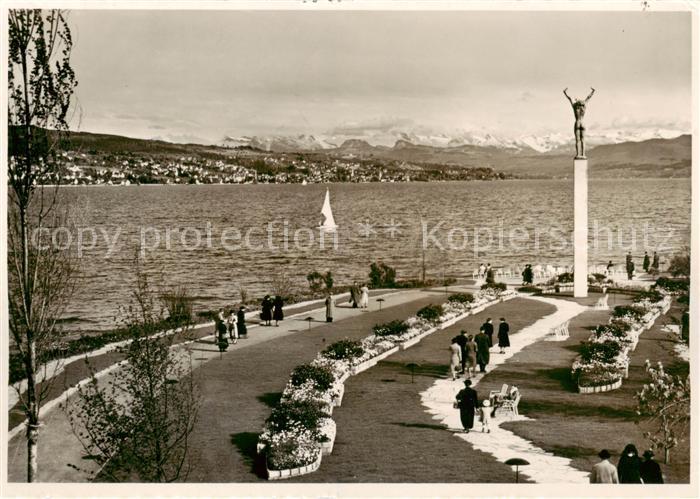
[
  {"x": 467, "y": 401},
  {"x": 503, "y": 339},
  {"x": 240, "y": 323},
  {"x": 278, "y": 313},
  {"x": 266, "y": 312},
  {"x": 629, "y": 465}
]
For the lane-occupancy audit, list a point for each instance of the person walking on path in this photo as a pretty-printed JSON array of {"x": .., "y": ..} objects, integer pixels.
[
  {"x": 527, "y": 275},
  {"x": 655, "y": 262},
  {"x": 629, "y": 265},
  {"x": 488, "y": 330},
  {"x": 467, "y": 402},
  {"x": 354, "y": 295},
  {"x": 609, "y": 269},
  {"x": 604, "y": 471},
  {"x": 364, "y": 296},
  {"x": 278, "y": 313},
  {"x": 221, "y": 340},
  {"x": 240, "y": 323},
  {"x": 232, "y": 329},
  {"x": 470, "y": 354},
  {"x": 489, "y": 274},
  {"x": 455, "y": 358},
  {"x": 330, "y": 308},
  {"x": 485, "y": 416},
  {"x": 266, "y": 310},
  {"x": 650, "y": 470},
  {"x": 645, "y": 262},
  {"x": 461, "y": 340},
  {"x": 482, "y": 350},
  {"x": 503, "y": 339},
  {"x": 628, "y": 467},
  {"x": 482, "y": 271}
]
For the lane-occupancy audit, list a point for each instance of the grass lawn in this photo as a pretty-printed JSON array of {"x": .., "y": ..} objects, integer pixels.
[
  {"x": 239, "y": 390},
  {"x": 576, "y": 425},
  {"x": 384, "y": 433}
]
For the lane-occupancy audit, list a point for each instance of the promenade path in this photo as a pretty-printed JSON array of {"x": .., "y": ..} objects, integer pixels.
[{"x": 237, "y": 390}]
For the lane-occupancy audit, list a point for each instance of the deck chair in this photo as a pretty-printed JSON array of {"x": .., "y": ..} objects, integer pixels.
[
  {"x": 499, "y": 394},
  {"x": 510, "y": 404}
]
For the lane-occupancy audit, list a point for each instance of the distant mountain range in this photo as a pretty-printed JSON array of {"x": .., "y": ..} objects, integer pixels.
[
  {"x": 655, "y": 157},
  {"x": 547, "y": 143}
]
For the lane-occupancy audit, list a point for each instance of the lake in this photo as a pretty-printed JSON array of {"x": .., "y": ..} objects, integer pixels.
[{"x": 270, "y": 231}]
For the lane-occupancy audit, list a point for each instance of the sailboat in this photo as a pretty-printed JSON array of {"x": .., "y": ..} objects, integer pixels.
[{"x": 328, "y": 224}]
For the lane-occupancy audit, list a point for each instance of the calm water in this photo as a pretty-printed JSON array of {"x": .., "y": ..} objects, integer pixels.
[{"x": 516, "y": 222}]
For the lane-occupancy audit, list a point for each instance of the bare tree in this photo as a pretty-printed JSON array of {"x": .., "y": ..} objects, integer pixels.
[
  {"x": 40, "y": 85},
  {"x": 136, "y": 426}
]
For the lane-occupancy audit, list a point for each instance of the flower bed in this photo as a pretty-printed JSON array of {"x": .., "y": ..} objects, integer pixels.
[
  {"x": 604, "y": 359},
  {"x": 299, "y": 430}
]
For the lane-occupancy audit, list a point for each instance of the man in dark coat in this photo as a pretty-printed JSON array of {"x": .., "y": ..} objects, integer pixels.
[
  {"x": 650, "y": 469},
  {"x": 461, "y": 340},
  {"x": 467, "y": 401},
  {"x": 503, "y": 339},
  {"x": 482, "y": 350},
  {"x": 488, "y": 330},
  {"x": 655, "y": 261},
  {"x": 240, "y": 318},
  {"x": 645, "y": 263},
  {"x": 629, "y": 266}
]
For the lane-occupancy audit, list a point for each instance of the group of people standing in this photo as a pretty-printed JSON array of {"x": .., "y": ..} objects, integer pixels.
[
  {"x": 648, "y": 264},
  {"x": 630, "y": 468},
  {"x": 466, "y": 351},
  {"x": 359, "y": 295},
  {"x": 486, "y": 272},
  {"x": 271, "y": 310},
  {"x": 232, "y": 326}
]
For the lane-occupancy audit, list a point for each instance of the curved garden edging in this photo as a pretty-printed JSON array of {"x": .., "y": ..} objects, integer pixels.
[
  {"x": 600, "y": 388},
  {"x": 289, "y": 473},
  {"x": 605, "y": 357},
  {"x": 343, "y": 368}
]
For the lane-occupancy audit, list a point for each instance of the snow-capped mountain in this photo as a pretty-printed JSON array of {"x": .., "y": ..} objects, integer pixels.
[
  {"x": 280, "y": 143},
  {"x": 422, "y": 136}
]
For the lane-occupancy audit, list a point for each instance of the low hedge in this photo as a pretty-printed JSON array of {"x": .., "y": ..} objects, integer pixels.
[
  {"x": 344, "y": 349},
  {"x": 501, "y": 286},
  {"x": 321, "y": 376},
  {"x": 430, "y": 313},
  {"x": 396, "y": 327},
  {"x": 672, "y": 285},
  {"x": 461, "y": 298}
]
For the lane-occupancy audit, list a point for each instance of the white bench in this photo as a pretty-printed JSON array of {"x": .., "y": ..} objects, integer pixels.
[
  {"x": 558, "y": 333},
  {"x": 510, "y": 404}
]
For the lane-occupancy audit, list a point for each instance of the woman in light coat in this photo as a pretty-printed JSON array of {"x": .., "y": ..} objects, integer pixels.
[
  {"x": 455, "y": 358},
  {"x": 364, "y": 298}
]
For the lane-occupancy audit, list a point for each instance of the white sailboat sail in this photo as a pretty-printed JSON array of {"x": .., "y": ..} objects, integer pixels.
[{"x": 328, "y": 221}]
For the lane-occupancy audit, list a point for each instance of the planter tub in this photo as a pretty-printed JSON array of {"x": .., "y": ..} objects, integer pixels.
[
  {"x": 339, "y": 399},
  {"x": 327, "y": 447},
  {"x": 602, "y": 388},
  {"x": 303, "y": 470}
]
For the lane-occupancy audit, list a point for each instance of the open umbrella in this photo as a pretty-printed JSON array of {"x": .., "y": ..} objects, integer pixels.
[{"x": 516, "y": 461}]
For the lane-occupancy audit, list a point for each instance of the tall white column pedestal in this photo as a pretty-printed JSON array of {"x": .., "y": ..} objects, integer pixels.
[{"x": 580, "y": 228}]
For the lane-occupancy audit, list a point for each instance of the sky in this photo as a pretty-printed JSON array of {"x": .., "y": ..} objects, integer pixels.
[{"x": 200, "y": 75}]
